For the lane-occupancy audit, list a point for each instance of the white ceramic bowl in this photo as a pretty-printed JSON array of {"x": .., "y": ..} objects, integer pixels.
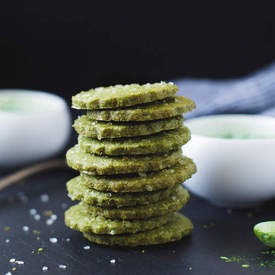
[
  {"x": 33, "y": 133},
  {"x": 233, "y": 172}
]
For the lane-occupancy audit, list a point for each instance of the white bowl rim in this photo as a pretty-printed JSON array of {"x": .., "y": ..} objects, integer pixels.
[
  {"x": 62, "y": 105},
  {"x": 228, "y": 116}
]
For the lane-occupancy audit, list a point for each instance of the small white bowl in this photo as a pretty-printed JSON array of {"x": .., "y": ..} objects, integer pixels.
[
  {"x": 233, "y": 172},
  {"x": 33, "y": 125}
]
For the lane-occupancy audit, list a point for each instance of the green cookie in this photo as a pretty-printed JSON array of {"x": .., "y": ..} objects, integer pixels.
[
  {"x": 175, "y": 230},
  {"x": 145, "y": 181},
  {"x": 122, "y": 95},
  {"x": 80, "y": 190},
  {"x": 100, "y": 130},
  {"x": 176, "y": 201},
  {"x": 158, "y": 143},
  {"x": 105, "y": 165},
  {"x": 169, "y": 107},
  {"x": 79, "y": 218}
]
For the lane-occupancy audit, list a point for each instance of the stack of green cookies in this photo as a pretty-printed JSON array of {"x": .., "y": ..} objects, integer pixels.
[{"x": 131, "y": 165}]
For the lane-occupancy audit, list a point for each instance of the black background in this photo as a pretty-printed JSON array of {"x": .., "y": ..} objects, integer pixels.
[{"x": 67, "y": 46}]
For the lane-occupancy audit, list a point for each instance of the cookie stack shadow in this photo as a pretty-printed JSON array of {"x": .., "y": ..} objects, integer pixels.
[{"x": 131, "y": 165}]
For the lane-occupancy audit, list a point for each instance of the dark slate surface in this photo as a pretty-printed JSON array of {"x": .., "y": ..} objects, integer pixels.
[{"x": 230, "y": 236}]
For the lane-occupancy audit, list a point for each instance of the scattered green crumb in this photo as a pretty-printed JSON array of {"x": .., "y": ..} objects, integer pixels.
[
  {"x": 36, "y": 232},
  {"x": 234, "y": 259},
  {"x": 237, "y": 259},
  {"x": 7, "y": 228},
  {"x": 40, "y": 249},
  {"x": 208, "y": 226},
  {"x": 267, "y": 263},
  {"x": 265, "y": 260},
  {"x": 47, "y": 213},
  {"x": 268, "y": 252}
]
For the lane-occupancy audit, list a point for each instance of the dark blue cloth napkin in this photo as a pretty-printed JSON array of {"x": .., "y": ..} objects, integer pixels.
[{"x": 253, "y": 94}]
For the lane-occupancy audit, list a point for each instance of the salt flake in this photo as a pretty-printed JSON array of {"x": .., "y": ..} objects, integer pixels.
[
  {"x": 25, "y": 228},
  {"x": 44, "y": 197},
  {"x": 53, "y": 240},
  {"x": 62, "y": 266},
  {"x": 113, "y": 261}
]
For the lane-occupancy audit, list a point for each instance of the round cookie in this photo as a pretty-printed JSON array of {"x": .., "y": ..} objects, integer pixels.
[
  {"x": 79, "y": 218},
  {"x": 158, "y": 143},
  {"x": 169, "y": 107},
  {"x": 145, "y": 181},
  {"x": 175, "y": 230},
  {"x": 176, "y": 201},
  {"x": 105, "y": 165},
  {"x": 79, "y": 190},
  {"x": 122, "y": 95},
  {"x": 101, "y": 130}
]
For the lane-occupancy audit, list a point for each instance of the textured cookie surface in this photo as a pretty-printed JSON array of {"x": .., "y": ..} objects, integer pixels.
[
  {"x": 143, "y": 182},
  {"x": 158, "y": 143},
  {"x": 80, "y": 190},
  {"x": 100, "y": 129},
  {"x": 79, "y": 218},
  {"x": 169, "y": 107},
  {"x": 122, "y": 95},
  {"x": 105, "y": 165},
  {"x": 175, "y": 230},
  {"x": 174, "y": 203}
]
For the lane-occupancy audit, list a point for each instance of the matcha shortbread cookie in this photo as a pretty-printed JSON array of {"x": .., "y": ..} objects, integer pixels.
[
  {"x": 122, "y": 95},
  {"x": 79, "y": 190},
  {"x": 105, "y": 165},
  {"x": 175, "y": 230},
  {"x": 174, "y": 203},
  {"x": 169, "y": 107},
  {"x": 79, "y": 218},
  {"x": 144, "y": 181},
  {"x": 158, "y": 143},
  {"x": 101, "y": 130}
]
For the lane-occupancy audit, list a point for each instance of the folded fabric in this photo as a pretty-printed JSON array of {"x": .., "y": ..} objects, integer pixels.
[{"x": 253, "y": 94}]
